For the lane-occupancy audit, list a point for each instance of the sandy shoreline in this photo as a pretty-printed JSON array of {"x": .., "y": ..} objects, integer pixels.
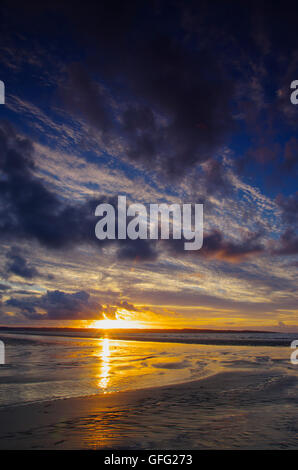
[{"x": 227, "y": 410}]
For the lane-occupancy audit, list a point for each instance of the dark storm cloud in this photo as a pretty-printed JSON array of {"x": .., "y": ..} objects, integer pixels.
[
  {"x": 173, "y": 101},
  {"x": 185, "y": 117},
  {"x": 84, "y": 96},
  {"x": 289, "y": 208},
  {"x": 160, "y": 76},
  {"x": 61, "y": 305},
  {"x": 165, "y": 94},
  {"x": 215, "y": 178},
  {"x": 172, "y": 71},
  {"x": 26, "y": 306},
  {"x": 137, "y": 250},
  {"x": 57, "y": 305},
  {"x": 287, "y": 244},
  {"x": 215, "y": 246},
  {"x": 18, "y": 265},
  {"x": 31, "y": 211}
]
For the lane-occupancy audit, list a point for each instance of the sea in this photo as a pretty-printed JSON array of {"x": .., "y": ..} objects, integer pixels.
[{"x": 49, "y": 364}]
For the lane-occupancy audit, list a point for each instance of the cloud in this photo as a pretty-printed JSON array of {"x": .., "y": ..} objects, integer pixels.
[
  {"x": 291, "y": 154},
  {"x": 4, "y": 287},
  {"x": 216, "y": 178},
  {"x": 57, "y": 305},
  {"x": 288, "y": 206},
  {"x": 29, "y": 210},
  {"x": 287, "y": 244},
  {"x": 18, "y": 265},
  {"x": 215, "y": 246},
  {"x": 167, "y": 104},
  {"x": 38, "y": 214},
  {"x": 137, "y": 250},
  {"x": 86, "y": 97}
]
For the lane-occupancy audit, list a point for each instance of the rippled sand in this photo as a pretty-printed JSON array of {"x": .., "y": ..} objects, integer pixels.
[{"x": 226, "y": 411}]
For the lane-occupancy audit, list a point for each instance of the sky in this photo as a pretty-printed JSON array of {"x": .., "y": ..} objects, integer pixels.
[{"x": 163, "y": 102}]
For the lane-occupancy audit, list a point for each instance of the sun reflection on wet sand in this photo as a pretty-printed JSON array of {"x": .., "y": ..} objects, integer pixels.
[{"x": 105, "y": 366}]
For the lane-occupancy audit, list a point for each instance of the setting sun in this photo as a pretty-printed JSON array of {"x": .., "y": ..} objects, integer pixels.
[{"x": 118, "y": 322}]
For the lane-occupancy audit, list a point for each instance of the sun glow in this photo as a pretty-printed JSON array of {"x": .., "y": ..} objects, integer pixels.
[
  {"x": 112, "y": 324},
  {"x": 118, "y": 322}
]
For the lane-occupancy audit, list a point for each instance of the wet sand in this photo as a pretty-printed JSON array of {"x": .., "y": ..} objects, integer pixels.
[{"x": 230, "y": 410}]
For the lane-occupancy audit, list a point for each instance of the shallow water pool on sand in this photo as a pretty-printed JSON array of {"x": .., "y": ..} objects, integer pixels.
[{"x": 42, "y": 368}]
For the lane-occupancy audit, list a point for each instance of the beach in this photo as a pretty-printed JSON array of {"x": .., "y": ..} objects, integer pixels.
[
  {"x": 226, "y": 411},
  {"x": 185, "y": 396}
]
